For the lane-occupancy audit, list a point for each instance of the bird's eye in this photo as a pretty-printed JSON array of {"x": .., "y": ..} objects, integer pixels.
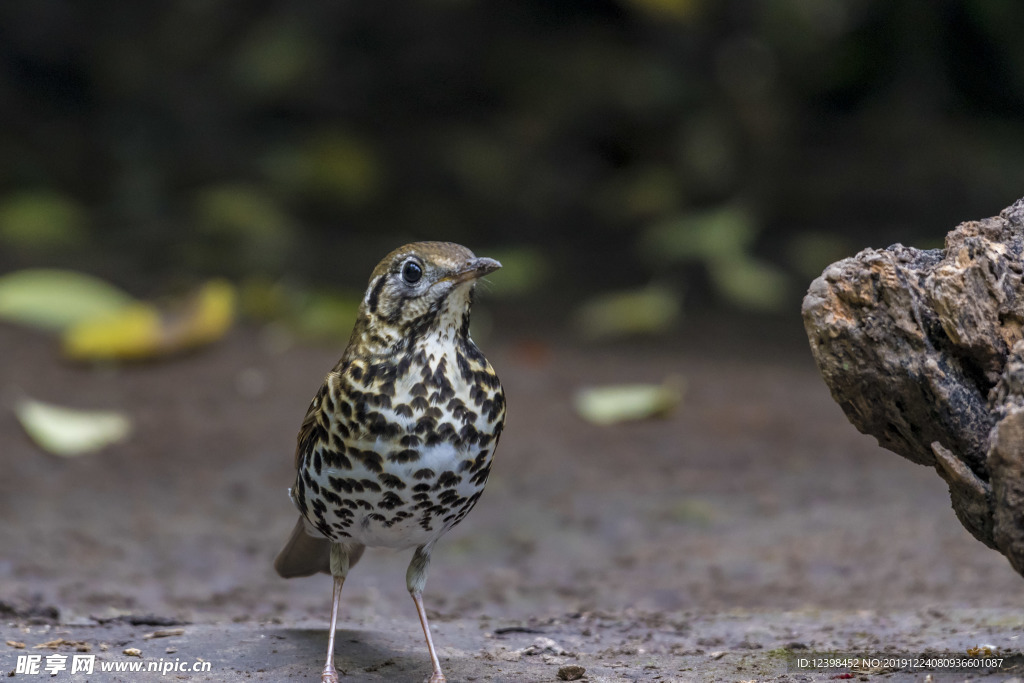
[{"x": 412, "y": 272}]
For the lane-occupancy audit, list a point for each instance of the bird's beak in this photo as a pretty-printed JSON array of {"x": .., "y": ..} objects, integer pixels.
[{"x": 475, "y": 268}]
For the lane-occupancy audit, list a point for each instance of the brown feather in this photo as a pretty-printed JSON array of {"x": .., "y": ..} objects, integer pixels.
[{"x": 304, "y": 555}]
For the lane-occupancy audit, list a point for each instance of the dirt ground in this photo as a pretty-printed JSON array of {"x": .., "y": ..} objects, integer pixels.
[{"x": 752, "y": 527}]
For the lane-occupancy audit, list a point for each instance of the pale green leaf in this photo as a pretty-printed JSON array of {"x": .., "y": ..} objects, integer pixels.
[
  {"x": 68, "y": 432},
  {"x": 620, "y": 403},
  {"x": 55, "y": 299}
]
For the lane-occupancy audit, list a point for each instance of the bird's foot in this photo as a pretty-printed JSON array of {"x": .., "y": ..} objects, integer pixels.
[
  {"x": 437, "y": 677},
  {"x": 329, "y": 675}
]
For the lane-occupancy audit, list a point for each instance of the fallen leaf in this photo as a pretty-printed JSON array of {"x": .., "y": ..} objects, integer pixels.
[
  {"x": 132, "y": 652},
  {"x": 60, "y": 642},
  {"x": 16, "y": 644},
  {"x": 620, "y": 403},
  {"x": 55, "y": 299},
  {"x": 164, "y": 633},
  {"x": 132, "y": 332},
  {"x": 544, "y": 645},
  {"x": 68, "y": 432},
  {"x": 144, "y": 331},
  {"x": 206, "y": 318},
  {"x": 641, "y": 311}
]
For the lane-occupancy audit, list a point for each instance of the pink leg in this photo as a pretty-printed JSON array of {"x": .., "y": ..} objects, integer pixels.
[
  {"x": 329, "y": 675},
  {"x": 437, "y": 676}
]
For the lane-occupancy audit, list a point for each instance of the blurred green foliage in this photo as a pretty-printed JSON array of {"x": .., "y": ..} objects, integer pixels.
[
  {"x": 650, "y": 310},
  {"x": 41, "y": 221},
  {"x": 602, "y": 145}
]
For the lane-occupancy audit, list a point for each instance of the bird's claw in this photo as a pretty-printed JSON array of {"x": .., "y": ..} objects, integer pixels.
[
  {"x": 437, "y": 677},
  {"x": 329, "y": 675}
]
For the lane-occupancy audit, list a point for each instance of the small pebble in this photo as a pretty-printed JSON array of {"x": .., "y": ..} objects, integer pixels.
[{"x": 572, "y": 672}]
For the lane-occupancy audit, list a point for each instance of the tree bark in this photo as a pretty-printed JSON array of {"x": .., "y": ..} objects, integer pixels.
[{"x": 923, "y": 350}]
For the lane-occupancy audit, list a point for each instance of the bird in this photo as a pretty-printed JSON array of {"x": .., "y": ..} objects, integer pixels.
[{"x": 397, "y": 445}]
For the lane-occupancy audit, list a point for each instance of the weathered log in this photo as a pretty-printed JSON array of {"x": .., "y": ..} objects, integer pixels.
[{"x": 923, "y": 351}]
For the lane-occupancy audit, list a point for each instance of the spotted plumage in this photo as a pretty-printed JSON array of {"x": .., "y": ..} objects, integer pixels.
[{"x": 396, "y": 446}]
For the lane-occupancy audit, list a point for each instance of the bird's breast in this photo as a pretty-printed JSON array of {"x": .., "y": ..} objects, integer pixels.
[{"x": 406, "y": 450}]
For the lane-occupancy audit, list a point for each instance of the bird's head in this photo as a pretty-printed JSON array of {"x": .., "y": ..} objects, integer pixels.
[{"x": 420, "y": 289}]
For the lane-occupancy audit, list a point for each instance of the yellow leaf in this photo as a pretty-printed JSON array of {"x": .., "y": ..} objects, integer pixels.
[
  {"x": 68, "y": 432},
  {"x": 143, "y": 331},
  {"x": 54, "y": 299},
  {"x": 132, "y": 332},
  {"x": 207, "y": 318},
  {"x": 619, "y": 403}
]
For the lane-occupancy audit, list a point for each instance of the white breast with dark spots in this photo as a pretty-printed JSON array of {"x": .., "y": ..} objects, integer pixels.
[
  {"x": 405, "y": 504},
  {"x": 409, "y": 485}
]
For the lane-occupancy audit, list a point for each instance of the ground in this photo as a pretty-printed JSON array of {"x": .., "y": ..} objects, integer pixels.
[{"x": 751, "y": 527}]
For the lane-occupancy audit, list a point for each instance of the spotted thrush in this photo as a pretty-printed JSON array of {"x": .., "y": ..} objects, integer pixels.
[{"x": 397, "y": 444}]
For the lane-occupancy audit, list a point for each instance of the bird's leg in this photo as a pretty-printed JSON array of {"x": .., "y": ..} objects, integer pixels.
[
  {"x": 339, "y": 568},
  {"x": 416, "y": 579},
  {"x": 436, "y": 676},
  {"x": 329, "y": 674}
]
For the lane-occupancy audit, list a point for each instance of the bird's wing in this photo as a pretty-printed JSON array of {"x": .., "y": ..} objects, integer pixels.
[
  {"x": 312, "y": 430},
  {"x": 307, "y": 437}
]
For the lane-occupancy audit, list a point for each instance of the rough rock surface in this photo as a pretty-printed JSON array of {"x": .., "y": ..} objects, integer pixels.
[{"x": 923, "y": 350}]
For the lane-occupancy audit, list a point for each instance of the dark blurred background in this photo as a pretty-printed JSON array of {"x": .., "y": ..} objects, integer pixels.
[
  {"x": 671, "y": 173},
  {"x": 714, "y": 154}
]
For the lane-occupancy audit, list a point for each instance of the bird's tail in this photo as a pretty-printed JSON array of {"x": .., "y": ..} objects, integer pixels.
[{"x": 305, "y": 555}]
